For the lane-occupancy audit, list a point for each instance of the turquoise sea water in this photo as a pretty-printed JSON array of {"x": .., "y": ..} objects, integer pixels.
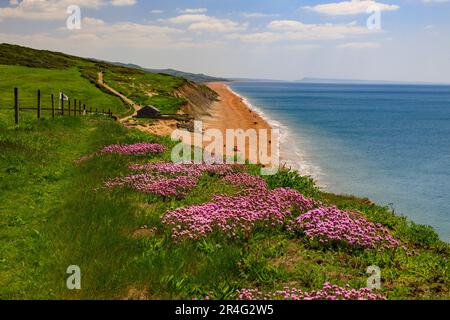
[{"x": 390, "y": 143}]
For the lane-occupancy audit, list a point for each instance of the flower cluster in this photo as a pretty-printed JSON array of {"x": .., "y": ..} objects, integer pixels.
[
  {"x": 135, "y": 149},
  {"x": 328, "y": 292},
  {"x": 246, "y": 182},
  {"x": 168, "y": 179},
  {"x": 158, "y": 185},
  {"x": 188, "y": 169},
  {"x": 237, "y": 215},
  {"x": 331, "y": 224}
]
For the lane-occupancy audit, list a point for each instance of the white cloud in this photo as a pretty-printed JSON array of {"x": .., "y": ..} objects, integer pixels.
[
  {"x": 429, "y": 27},
  {"x": 201, "y": 22},
  {"x": 93, "y": 22},
  {"x": 257, "y": 15},
  {"x": 123, "y": 3},
  {"x": 302, "y": 47},
  {"x": 194, "y": 11},
  {"x": 291, "y": 30},
  {"x": 45, "y": 10},
  {"x": 359, "y": 45},
  {"x": 435, "y": 1},
  {"x": 352, "y": 7}
]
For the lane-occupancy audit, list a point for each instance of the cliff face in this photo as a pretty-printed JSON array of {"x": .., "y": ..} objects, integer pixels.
[{"x": 199, "y": 98}]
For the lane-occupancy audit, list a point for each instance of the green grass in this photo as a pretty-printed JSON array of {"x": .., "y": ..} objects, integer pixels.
[
  {"x": 23, "y": 56},
  {"x": 146, "y": 88},
  {"x": 52, "y": 81},
  {"x": 51, "y": 72},
  {"x": 54, "y": 213}
]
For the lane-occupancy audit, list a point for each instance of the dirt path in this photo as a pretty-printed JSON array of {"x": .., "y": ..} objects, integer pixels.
[{"x": 125, "y": 99}]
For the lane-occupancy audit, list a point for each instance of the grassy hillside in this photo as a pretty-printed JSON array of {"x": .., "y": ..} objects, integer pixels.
[
  {"x": 195, "y": 77},
  {"x": 30, "y": 69},
  {"x": 55, "y": 213},
  {"x": 142, "y": 87},
  {"x": 52, "y": 81}
]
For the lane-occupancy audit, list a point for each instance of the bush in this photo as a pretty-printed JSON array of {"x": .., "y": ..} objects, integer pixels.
[
  {"x": 421, "y": 235},
  {"x": 286, "y": 178}
]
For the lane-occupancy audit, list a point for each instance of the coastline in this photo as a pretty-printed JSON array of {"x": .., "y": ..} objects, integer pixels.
[
  {"x": 231, "y": 111},
  {"x": 243, "y": 114}
]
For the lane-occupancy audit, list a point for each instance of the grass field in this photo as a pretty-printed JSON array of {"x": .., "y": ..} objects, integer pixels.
[
  {"x": 54, "y": 213},
  {"x": 52, "y": 81},
  {"x": 146, "y": 88},
  {"x": 51, "y": 72}
]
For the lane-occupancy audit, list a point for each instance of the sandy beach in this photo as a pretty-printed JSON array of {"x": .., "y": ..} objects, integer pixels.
[{"x": 231, "y": 112}]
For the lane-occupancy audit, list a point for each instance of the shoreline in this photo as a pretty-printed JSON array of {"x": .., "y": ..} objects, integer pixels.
[
  {"x": 232, "y": 112},
  {"x": 290, "y": 152}
]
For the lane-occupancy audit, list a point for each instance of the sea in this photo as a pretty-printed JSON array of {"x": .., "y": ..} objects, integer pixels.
[{"x": 387, "y": 142}]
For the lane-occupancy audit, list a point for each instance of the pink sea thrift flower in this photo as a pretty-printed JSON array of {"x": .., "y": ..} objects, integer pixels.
[
  {"x": 157, "y": 185},
  {"x": 246, "y": 182},
  {"x": 134, "y": 149},
  {"x": 328, "y": 292},
  {"x": 189, "y": 169},
  {"x": 333, "y": 225},
  {"x": 236, "y": 215}
]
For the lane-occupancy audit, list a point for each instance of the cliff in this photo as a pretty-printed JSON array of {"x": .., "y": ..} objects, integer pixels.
[{"x": 198, "y": 97}]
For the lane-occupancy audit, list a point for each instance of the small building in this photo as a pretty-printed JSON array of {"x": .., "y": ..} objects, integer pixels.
[{"x": 148, "y": 112}]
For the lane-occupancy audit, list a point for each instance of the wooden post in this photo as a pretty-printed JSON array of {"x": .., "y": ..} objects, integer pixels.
[
  {"x": 53, "y": 107},
  {"x": 96, "y": 111},
  {"x": 39, "y": 104},
  {"x": 16, "y": 105},
  {"x": 79, "y": 107},
  {"x": 69, "y": 106},
  {"x": 74, "y": 107},
  {"x": 84, "y": 109},
  {"x": 62, "y": 103}
]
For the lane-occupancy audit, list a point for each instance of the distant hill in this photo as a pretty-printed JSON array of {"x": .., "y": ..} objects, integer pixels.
[
  {"x": 195, "y": 77},
  {"x": 356, "y": 81}
]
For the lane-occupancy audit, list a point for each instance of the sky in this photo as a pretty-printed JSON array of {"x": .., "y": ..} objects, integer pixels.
[{"x": 394, "y": 40}]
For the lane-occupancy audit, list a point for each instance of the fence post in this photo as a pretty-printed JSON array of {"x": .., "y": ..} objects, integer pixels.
[
  {"x": 69, "y": 106},
  {"x": 79, "y": 107},
  {"x": 53, "y": 107},
  {"x": 39, "y": 104},
  {"x": 84, "y": 109},
  {"x": 75, "y": 107},
  {"x": 62, "y": 103},
  {"x": 16, "y": 105}
]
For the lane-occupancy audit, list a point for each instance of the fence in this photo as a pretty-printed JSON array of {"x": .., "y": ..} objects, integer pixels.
[{"x": 65, "y": 107}]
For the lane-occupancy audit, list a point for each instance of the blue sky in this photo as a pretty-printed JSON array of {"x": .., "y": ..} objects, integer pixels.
[{"x": 407, "y": 40}]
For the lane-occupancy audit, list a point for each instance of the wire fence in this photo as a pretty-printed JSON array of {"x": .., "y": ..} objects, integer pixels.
[{"x": 59, "y": 105}]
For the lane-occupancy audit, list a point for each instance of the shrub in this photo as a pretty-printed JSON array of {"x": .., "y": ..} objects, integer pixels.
[{"x": 287, "y": 178}]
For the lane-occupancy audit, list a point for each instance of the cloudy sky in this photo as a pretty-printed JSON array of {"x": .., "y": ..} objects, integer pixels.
[{"x": 400, "y": 40}]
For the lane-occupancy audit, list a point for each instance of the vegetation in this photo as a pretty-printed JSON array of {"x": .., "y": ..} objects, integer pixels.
[
  {"x": 77, "y": 78},
  {"x": 145, "y": 88},
  {"x": 52, "y": 81},
  {"x": 55, "y": 213}
]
